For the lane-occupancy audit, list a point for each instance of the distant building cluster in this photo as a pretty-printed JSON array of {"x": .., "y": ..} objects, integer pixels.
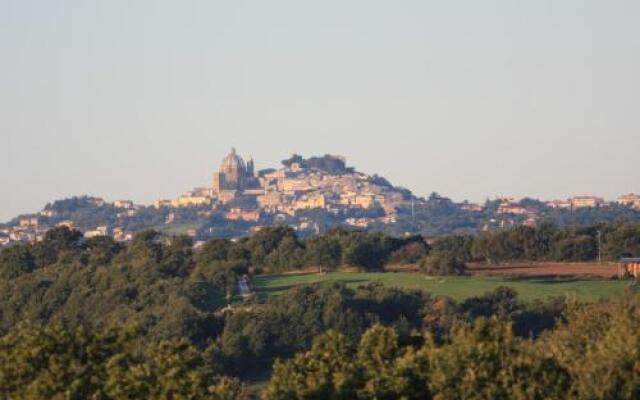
[
  {"x": 291, "y": 194},
  {"x": 508, "y": 208},
  {"x": 578, "y": 202},
  {"x": 288, "y": 190},
  {"x": 628, "y": 200},
  {"x": 34, "y": 227}
]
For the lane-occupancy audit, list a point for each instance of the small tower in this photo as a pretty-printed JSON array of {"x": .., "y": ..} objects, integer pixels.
[{"x": 251, "y": 173}]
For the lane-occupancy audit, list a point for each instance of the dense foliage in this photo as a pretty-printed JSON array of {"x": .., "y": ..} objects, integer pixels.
[
  {"x": 252, "y": 338},
  {"x": 57, "y": 363},
  {"x": 595, "y": 354},
  {"x": 180, "y": 339},
  {"x": 330, "y": 164},
  {"x": 282, "y": 250},
  {"x": 154, "y": 281}
]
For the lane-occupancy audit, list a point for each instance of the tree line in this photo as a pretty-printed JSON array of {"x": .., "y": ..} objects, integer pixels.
[{"x": 279, "y": 248}]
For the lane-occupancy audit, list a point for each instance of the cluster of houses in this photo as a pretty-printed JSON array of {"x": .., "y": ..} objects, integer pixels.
[
  {"x": 239, "y": 193},
  {"x": 630, "y": 200},
  {"x": 509, "y": 208},
  {"x": 27, "y": 230},
  {"x": 33, "y": 228},
  {"x": 288, "y": 190},
  {"x": 294, "y": 187}
]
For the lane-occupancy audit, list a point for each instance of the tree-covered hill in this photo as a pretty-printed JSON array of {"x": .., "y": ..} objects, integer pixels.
[{"x": 92, "y": 318}]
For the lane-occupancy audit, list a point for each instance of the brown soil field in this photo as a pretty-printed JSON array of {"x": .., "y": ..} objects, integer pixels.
[
  {"x": 595, "y": 270},
  {"x": 532, "y": 269}
]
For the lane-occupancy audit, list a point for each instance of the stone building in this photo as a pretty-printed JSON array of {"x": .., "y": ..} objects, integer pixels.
[
  {"x": 586, "y": 201},
  {"x": 234, "y": 174},
  {"x": 630, "y": 199}
]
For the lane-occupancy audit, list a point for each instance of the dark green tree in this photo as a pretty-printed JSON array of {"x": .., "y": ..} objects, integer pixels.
[
  {"x": 437, "y": 263},
  {"x": 15, "y": 261}
]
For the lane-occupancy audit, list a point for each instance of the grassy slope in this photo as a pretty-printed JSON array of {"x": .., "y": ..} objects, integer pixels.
[{"x": 455, "y": 287}]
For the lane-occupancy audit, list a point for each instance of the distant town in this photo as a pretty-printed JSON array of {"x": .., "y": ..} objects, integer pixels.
[{"x": 311, "y": 195}]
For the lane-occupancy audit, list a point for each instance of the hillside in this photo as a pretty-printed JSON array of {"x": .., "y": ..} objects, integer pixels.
[
  {"x": 157, "y": 305},
  {"x": 309, "y": 194}
]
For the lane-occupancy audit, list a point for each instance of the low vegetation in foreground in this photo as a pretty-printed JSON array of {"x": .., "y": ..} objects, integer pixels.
[
  {"x": 593, "y": 355},
  {"x": 157, "y": 319}
]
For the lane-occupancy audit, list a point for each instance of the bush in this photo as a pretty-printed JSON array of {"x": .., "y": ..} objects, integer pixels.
[
  {"x": 410, "y": 253},
  {"x": 438, "y": 263}
]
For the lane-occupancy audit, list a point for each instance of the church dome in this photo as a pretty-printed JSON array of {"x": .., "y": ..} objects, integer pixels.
[{"x": 233, "y": 162}]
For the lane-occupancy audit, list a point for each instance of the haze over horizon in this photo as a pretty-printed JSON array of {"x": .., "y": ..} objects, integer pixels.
[{"x": 141, "y": 100}]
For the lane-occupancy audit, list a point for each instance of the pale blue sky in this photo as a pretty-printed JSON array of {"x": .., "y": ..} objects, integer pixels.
[{"x": 141, "y": 99}]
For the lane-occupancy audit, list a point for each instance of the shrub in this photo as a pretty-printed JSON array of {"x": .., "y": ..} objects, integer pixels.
[{"x": 439, "y": 263}]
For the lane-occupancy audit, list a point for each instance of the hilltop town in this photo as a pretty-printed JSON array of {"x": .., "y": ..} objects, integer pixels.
[
  {"x": 317, "y": 183},
  {"x": 311, "y": 195}
]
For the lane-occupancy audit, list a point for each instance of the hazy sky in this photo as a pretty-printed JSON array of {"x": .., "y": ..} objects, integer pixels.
[{"x": 141, "y": 99}]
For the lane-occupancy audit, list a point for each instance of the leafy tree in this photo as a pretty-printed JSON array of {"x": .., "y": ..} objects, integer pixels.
[
  {"x": 324, "y": 252},
  {"x": 487, "y": 361},
  {"x": 324, "y": 372},
  {"x": 457, "y": 246},
  {"x": 377, "y": 352},
  {"x": 328, "y": 163},
  {"x": 57, "y": 363},
  {"x": 15, "y": 261},
  {"x": 410, "y": 253},
  {"x": 389, "y": 304},
  {"x": 101, "y": 250},
  {"x": 289, "y": 255},
  {"x": 171, "y": 369},
  {"x": 599, "y": 345},
  {"x": 62, "y": 237},
  {"x": 215, "y": 250},
  {"x": 367, "y": 251},
  {"x": 56, "y": 242},
  {"x": 265, "y": 241},
  {"x": 177, "y": 257},
  {"x": 221, "y": 274},
  {"x": 146, "y": 247},
  {"x": 621, "y": 241},
  {"x": 575, "y": 248},
  {"x": 485, "y": 248},
  {"x": 438, "y": 263},
  {"x": 501, "y": 302}
]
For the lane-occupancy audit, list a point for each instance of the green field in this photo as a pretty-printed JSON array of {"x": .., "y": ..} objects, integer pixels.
[{"x": 457, "y": 288}]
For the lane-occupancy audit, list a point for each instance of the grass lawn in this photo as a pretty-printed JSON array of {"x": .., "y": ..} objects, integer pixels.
[{"x": 457, "y": 288}]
